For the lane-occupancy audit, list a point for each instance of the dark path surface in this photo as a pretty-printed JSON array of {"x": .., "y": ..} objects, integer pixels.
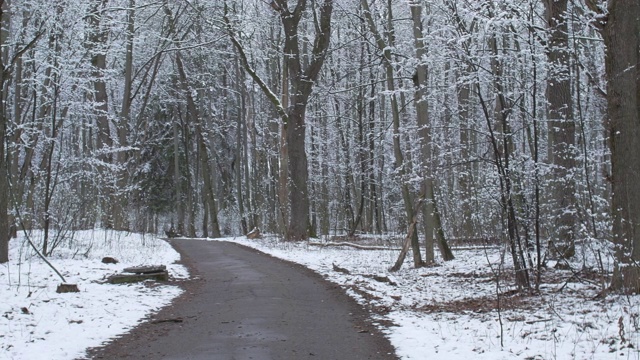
[{"x": 247, "y": 305}]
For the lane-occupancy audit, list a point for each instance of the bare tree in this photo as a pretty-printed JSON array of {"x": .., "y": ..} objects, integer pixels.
[
  {"x": 432, "y": 223},
  {"x": 300, "y": 80}
]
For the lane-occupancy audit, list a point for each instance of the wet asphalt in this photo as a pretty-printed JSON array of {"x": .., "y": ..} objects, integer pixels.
[{"x": 246, "y": 305}]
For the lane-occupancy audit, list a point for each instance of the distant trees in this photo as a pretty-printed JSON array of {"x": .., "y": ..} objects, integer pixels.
[{"x": 449, "y": 121}]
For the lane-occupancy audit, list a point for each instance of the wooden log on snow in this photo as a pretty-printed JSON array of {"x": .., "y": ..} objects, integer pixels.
[
  {"x": 149, "y": 269},
  {"x": 352, "y": 245},
  {"x": 133, "y": 278}
]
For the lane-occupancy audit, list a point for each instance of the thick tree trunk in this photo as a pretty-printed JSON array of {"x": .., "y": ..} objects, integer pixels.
[
  {"x": 622, "y": 38},
  {"x": 301, "y": 78},
  {"x": 283, "y": 173},
  {"x": 298, "y": 176}
]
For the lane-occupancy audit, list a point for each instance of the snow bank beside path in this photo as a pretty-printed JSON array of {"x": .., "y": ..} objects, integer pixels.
[{"x": 38, "y": 323}]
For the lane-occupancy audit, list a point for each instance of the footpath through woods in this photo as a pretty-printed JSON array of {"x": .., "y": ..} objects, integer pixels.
[{"x": 247, "y": 305}]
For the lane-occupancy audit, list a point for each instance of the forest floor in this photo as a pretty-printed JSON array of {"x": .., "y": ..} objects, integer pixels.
[
  {"x": 468, "y": 309},
  {"x": 461, "y": 309}
]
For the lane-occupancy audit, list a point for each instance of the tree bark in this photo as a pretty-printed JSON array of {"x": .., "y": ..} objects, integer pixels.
[
  {"x": 622, "y": 38},
  {"x": 97, "y": 39},
  {"x": 561, "y": 132},
  {"x": 120, "y": 221},
  {"x": 6, "y": 65},
  {"x": 301, "y": 79},
  {"x": 424, "y": 131},
  {"x": 5, "y": 22}
]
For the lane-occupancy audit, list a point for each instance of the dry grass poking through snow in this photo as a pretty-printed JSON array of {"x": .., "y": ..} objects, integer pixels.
[{"x": 450, "y": 311}]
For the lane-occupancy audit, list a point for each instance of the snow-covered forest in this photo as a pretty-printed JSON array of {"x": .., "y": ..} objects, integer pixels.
[{"x": 445, "y": 122}]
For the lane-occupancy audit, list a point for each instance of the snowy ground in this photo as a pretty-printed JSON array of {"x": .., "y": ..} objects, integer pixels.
[
  {"x": 442, "y": 312},
  {"x": 449, "y": 311},
  {"x": 38, "y": 323}
]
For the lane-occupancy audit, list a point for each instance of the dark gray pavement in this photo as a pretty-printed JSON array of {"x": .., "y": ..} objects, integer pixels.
[{"x": 247, "y": 305}]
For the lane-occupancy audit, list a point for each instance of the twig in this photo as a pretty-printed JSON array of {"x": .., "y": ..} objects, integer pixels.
[
  {"x": 173, "y": 320},
  {"x": 26, "y": 235}
]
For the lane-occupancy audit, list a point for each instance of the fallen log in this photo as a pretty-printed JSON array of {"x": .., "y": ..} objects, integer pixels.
[
  {"x": 352, "y": 245},
  {"x": 150, "y": 269},
  {"x": 133, "y": 278}
]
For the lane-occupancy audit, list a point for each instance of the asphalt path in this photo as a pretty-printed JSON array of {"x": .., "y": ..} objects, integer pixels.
[{"x": 247, "y": 305}]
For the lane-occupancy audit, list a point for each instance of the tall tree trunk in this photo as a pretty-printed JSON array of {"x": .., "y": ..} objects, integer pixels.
[
  {"x": 301, "y": 78},
  {"x": 97, "y": 39},
  {"x": 240, "y": 159},
  {"x": 209, "y": 188},
  {"x": 298, "y": 176},
  {"x": 120, "y": 221},
  {"x": 5, "y": 22},
  {"x": 424, "y": 131},
  {"x": 51, "y": 177},
  {"x": 622, "y": 38},
  {"x": 7, "y": 63},
  {"x": 283, "y": 169},
  {"x": 177, "y": 179},
  {"x": 467, "y": 174},
  {"x": 373, "y": 191},
  {"x": 561, "y": 132},
  {"x": 19, "y": 104}
]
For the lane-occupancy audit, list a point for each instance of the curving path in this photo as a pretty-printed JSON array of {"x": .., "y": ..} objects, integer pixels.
[{"x": 247, "y": 305}]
